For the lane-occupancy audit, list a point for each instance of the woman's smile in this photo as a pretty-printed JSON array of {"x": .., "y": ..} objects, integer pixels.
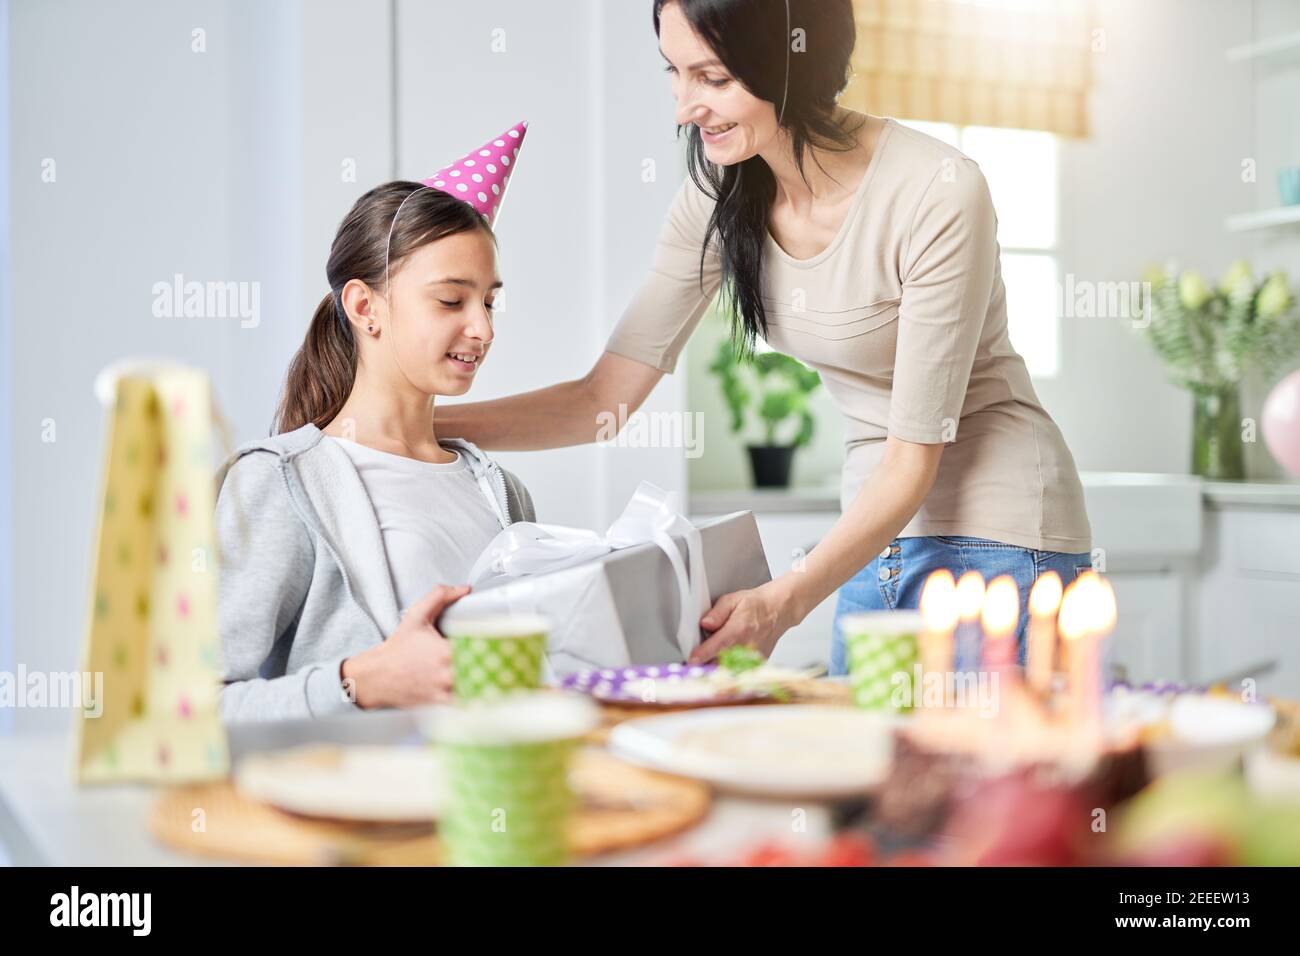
[{"x": 716, "y": 134}]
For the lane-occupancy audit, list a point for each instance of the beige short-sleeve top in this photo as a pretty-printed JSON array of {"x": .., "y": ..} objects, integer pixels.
[{"x": 904, "y": 316}]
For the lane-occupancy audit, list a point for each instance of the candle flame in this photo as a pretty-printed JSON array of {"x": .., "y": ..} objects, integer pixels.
[
  {"x": 1045, "y": 595},
  {"x": 970, "y": 595},
  {"x": 1073, "y": 619},
  {"x": 1001, "y": 607},
  {"x": 1104, "y": 621},
  {"x": 939, "y": 602},
  {"x": 1088, "y": 606}
]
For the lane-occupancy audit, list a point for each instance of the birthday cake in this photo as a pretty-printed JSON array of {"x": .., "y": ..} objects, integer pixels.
[
  {"x": 942, "y": 760},
  {"x": 1002, "y": 764},
  {"x": 1039, "y": 735}
]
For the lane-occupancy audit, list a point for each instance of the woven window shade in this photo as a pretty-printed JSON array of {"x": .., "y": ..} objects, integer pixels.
[{"x": 1024, "y": 64}]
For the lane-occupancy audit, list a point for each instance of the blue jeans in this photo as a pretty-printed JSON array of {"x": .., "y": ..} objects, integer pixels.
[{"x": 894, "y": 579}]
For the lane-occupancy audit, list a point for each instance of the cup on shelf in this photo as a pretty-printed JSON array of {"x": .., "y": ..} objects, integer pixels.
[{"x": 1288, "y": 185}]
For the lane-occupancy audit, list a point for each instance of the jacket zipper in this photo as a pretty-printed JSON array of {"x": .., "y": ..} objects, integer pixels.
[{"x": 505, "y": 492}]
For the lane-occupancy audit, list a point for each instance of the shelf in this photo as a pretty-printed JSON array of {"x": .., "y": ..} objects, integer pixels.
[
  {"x": 1273, "y": 495},
  {"x": 1276, "y": 50},
  {"x": 765, "y": 500},
  {"x": 1264, "y": 219}
]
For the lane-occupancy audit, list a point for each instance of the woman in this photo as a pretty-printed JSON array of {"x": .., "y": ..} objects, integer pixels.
[{"x": 868, "y": 251}]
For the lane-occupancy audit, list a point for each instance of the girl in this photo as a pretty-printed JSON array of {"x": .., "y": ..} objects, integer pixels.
[{"x": 354, "y": 508}]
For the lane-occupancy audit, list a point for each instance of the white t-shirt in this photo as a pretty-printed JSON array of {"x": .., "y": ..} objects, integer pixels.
[{"x": 435, "y": 519}]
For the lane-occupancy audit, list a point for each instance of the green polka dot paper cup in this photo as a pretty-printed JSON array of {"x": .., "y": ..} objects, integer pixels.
[
  {"x": 882, "y": 651},
  {"x": 496, "y": 655},
  {"x": 507, "y": 761}
]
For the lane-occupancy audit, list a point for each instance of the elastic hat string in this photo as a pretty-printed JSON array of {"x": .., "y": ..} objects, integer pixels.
[
  {"x": 388, "y": 286},
  {"x": 786, "y": 93}
]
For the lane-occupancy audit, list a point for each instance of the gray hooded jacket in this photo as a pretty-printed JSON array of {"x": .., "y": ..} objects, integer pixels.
[{"x": 304, "y": 580}]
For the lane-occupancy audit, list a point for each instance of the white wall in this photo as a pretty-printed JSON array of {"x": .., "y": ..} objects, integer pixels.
[
  {"x": 578, "y": 227},
  {"x": 167, "y": 161},
  {"x": 1276, "y": 142},
  {"x": 1171, "y": 122},
  {"x": 345, "y": 128},
  {"x": 6, "y": 359}
]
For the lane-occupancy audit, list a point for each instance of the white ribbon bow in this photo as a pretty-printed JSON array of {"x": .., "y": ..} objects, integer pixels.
[{"x": 527, "y": 548}]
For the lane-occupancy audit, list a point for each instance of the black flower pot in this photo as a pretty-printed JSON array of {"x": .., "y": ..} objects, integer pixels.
[{"x": 771, "y": 465}]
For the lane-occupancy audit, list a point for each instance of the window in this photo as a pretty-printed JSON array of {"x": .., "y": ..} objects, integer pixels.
[{"x": 1021, "y": 169}]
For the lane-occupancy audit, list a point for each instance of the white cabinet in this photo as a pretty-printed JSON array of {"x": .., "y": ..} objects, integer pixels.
[
  {"x": 786, "y": 538},
  {"x": 787, "y": 535},
  {"x": 1147, "y": 536},
  {"x": 1248, "y": 599},
  {"x": 1146, "y": 644}
]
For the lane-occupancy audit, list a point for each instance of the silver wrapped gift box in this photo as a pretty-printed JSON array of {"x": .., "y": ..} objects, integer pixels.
[{"x": 627, "y": 606}]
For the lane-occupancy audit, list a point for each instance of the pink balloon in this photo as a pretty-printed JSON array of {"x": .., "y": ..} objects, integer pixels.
[{"x": 1281, "y": 423}]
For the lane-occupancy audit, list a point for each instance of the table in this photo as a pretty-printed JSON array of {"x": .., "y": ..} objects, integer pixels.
[{"x": 45, "y": 819}]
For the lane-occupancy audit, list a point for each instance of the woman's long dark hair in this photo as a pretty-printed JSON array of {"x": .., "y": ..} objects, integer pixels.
[
  {"x": 323, "y": 369},
  {"x": 753, "y": 39}
]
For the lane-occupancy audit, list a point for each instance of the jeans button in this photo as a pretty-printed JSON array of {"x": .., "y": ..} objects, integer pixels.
[
  {"x": 885, "y": 553},
  {"x": 884, "y": 574}
]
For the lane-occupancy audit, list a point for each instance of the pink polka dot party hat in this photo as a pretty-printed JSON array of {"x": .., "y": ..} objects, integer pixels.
[{"x": 480, "y": 177}]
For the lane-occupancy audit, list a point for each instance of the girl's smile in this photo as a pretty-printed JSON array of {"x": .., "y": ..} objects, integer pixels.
[{"x": 464, "y": 362}]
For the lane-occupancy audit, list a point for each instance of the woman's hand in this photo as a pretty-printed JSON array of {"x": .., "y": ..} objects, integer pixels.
[
  {"x": 884, "y": 504},
  {"x": 757, "y": 617},
  {"x": 413, "y": 666}
]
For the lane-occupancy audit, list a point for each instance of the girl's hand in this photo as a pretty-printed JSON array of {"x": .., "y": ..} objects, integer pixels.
[
  {"x": 412, "y": 667},
  {"x": 757, "y": 617}
]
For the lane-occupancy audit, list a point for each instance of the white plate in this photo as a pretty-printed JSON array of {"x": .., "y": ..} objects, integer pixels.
[
  {"x": 373, "y": 784},
  {"x": 1208, "y": 731},
  {"x": 781, "y": 751}
]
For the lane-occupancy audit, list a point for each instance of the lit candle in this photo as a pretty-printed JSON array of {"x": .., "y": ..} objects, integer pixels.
[
  {"x": 970, "y": 603},
  {"x": 1086, "y": 620},
  {"x": 1044, "y": 602},
  {"x": 1000, "y": 616},
  {"x": 939, "y": 617}
]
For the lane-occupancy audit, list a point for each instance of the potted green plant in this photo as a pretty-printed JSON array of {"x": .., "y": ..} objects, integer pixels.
[
  {"x": 1209, "y": 338},
  {"x": 776, "y": 387}
]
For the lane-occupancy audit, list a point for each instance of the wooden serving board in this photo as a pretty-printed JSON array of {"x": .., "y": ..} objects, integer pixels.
[{"x": 621, "y": 806}]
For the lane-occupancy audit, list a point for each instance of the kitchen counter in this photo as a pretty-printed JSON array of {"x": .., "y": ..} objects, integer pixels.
[
  {"x": 1252, "y": 494},
  {"x": 1215, "y": 494}
]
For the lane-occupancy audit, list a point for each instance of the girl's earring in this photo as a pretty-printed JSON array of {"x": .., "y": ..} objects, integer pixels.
[{"x": 371, "y": 328}]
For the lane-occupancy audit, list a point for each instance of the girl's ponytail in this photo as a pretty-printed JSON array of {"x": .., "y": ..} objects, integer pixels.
[{"x": 321, "y": 374}]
